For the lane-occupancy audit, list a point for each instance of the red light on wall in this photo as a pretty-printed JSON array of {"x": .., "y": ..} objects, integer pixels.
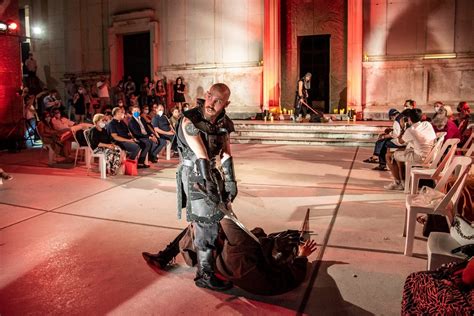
[
  {"x": 8, "y": 26},
  {"x": 12, "y": 26}
]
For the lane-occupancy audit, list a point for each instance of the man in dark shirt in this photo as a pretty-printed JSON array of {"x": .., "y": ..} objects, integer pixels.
[
  {"x": 163, "y": 126},
  {"x": 123, "y": 138},
  {"x": 146, "y": 140}
]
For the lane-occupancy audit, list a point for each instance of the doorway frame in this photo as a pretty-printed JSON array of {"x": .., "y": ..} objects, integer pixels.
[
  {"x": 132, "y": 23},
  {"x": 299, "y": 41}
]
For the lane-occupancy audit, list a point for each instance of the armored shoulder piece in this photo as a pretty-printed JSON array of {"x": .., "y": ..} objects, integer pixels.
[{"x": 194, "y": 115}]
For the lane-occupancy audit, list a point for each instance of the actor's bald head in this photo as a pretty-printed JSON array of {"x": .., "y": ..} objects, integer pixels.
[{"x": 222, "y": 89}]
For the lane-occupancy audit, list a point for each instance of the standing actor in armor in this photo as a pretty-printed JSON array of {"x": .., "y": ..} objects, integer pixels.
[
  {"x": 202, "y": 136},
  {"x": 304, "y": 84}
]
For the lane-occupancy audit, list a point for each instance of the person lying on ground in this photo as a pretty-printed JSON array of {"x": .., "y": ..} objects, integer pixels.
[{"x": 275, "y": 265}]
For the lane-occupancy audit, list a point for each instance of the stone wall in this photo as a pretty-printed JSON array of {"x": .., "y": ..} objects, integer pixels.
[
  {"x": 209, "y": 41},
  {"x": 245, "y": 84},
  {"x": 388, "y": 84},
  {"x": 199, "y": 38},
  {"x": 421, "y": 50},
  {"x": 313, "y": 17},
  {"x": 10, "y": 72}
]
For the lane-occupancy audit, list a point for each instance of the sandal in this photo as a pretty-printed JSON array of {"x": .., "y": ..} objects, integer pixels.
[{"x": 371, "y": 160}]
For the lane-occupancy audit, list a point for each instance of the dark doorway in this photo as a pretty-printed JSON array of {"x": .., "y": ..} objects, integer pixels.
[
  {"x": 315, "y": 58},
  {"x": 136, "y": 57}
]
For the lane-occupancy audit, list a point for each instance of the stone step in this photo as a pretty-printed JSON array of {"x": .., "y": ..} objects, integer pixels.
[
  {"x": 332, "y": 134},
  {"x": 311, "y": 127},
  {"x": 301, "y": 141},
  {"x": 323, "y": 134}
]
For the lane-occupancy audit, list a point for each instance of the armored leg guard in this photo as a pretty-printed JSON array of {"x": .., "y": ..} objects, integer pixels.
[
  {"x": 163, "y": 258},
  {"x": 205, "y": 276}
]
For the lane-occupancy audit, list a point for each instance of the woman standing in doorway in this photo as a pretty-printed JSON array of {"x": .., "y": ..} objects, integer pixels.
[{"x": 178, "y": 93}]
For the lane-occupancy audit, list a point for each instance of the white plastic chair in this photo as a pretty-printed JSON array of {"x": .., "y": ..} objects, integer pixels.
[
  {"x": 50, "y": 150},
  {"x": 431, "y": 161},
  {"x": 168, "y": 150},
  {"x": 86, "y": 149},
  {"x": 468, "y": 145},
  {"x": 460, "y": 167},
  {"x": 101, "y": 156},
  {"x": 434, "y": 174}
]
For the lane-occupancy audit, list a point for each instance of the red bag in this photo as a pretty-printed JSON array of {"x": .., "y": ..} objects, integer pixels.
[{"x": 131, "y": 167}]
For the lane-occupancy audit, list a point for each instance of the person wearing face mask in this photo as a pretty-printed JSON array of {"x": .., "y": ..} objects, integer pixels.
[
  {"x": 79, "y": 104},
  {"x": 161, "y": 124},
  {"x": 124, "y": 139},
  {"x": 163, "y": 127},
  {"x": 147, "y": 141},
  {"x": 101, "y": 142}
]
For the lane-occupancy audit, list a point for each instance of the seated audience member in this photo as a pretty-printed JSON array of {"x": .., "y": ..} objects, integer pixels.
[
  {"x": 419, "y": 138},
  {"x": 386, "y": 140},
  {"x": 50, "y": 136},
  {"x": 124, "y": 139},
  {"x": 67, "y": 127},
  {"x": 52, "y": 101},
  {"x": 4, "y": 175},
  {"x": 147, "y": 141},
  {"x": 175, "y": 116},
  {"x": 409, "y": 104},
  {"x": 449, "y": 290},
  {"x": 436, "y": 107},
  {"x": 108, "y": 116},
  {"x": 162, "y": 125},
  {"x": 462, "y": 121},
  {"x": 443, "y": 122},
  {"x": 153, "y": 110},
  {"x": 101, "y": 142},
  {"x": 274, "y": 266},
  {"x": 61, "y": 123}
]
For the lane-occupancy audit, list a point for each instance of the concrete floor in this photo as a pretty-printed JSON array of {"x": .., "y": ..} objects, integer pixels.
[{"x": 71, "y": 243}]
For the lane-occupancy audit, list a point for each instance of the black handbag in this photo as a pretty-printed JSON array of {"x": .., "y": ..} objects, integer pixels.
[{"x": 435, "y": 223}]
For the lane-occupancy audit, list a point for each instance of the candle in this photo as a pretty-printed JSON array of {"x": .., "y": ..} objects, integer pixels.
[
  {"x": 271, "y": 118},
  {"x": 265, "y": 118}
]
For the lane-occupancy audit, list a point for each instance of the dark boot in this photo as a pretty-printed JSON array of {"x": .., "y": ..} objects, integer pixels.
[
  {"x": 163, "y": 258},
  {"x": 205, "y": 276}
]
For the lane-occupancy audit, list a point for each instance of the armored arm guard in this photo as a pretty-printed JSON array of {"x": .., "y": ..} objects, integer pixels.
[
  {"x": 210, "y": 186},
  {"x": 230, "y": 184}
]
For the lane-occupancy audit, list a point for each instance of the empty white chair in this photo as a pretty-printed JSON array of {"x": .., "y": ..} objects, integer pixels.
[
  {"x": 435, "y": 174},
  {"x": 460, "y": 167},
  {"x": 85, "y": 149},
  {"x": 431, "y": 161},
  {"x": 101, "y": 156}
]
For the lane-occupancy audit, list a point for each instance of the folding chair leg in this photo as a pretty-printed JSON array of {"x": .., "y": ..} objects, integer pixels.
[
  {"x": 87, "y": 157},
  {"x": 410, "y": 238},
  {"x": 168, "y": 150},
  {"x": 103, "y": 168},
  {"x": 50, "y": 155}
]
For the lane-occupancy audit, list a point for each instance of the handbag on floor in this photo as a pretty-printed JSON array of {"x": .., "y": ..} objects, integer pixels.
[
  {"x": 462, "y": 231},
  {"x": 131, "y": 167}
]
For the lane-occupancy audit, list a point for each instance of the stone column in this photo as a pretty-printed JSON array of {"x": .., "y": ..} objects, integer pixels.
[
  {"x": 271, "y": 54},
  {"x": 354, "y": 54}
]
